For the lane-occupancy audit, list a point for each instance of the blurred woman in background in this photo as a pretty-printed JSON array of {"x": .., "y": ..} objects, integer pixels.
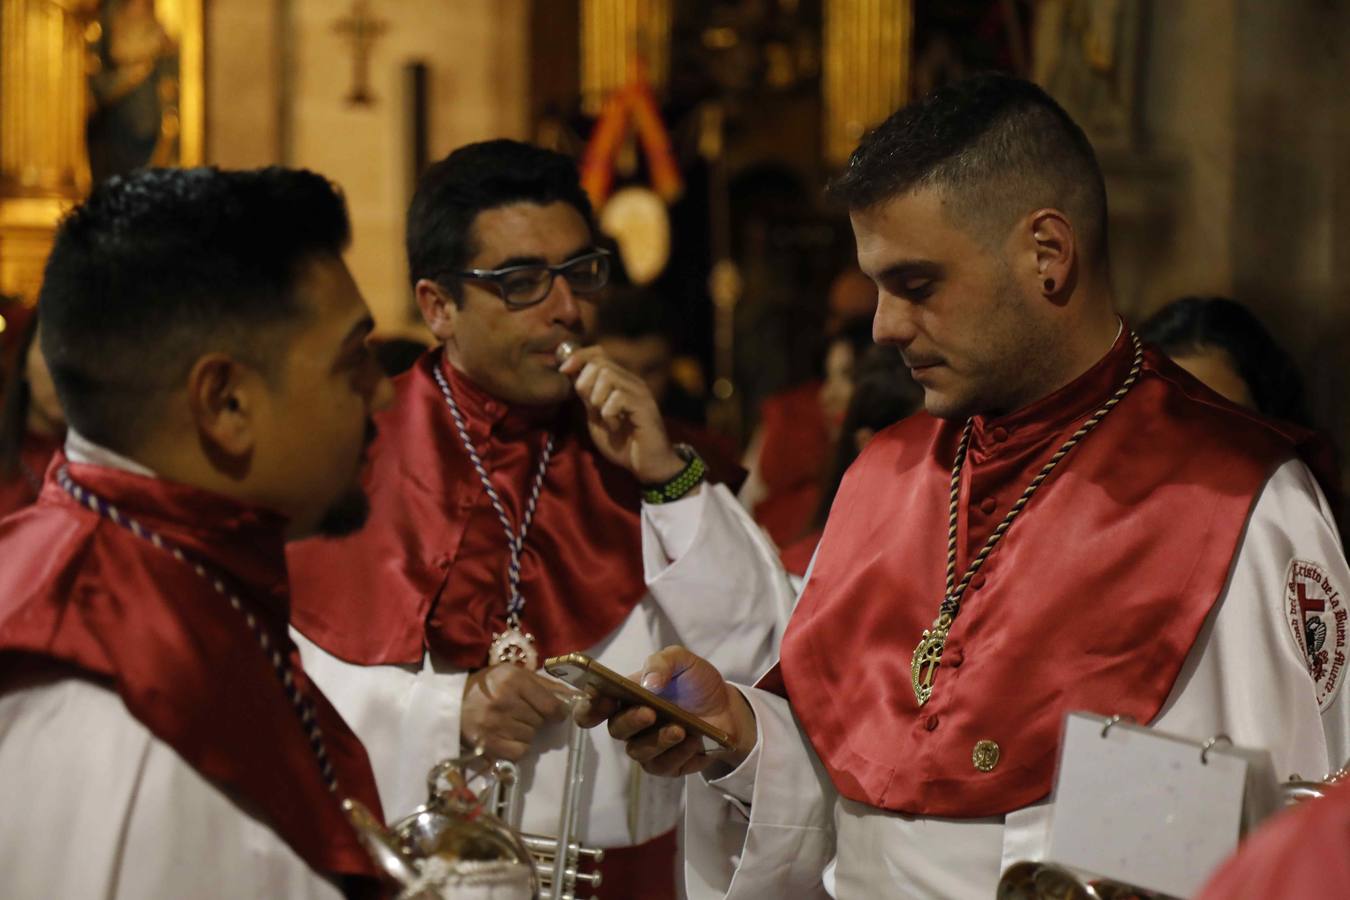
[
  {"x": 882, "y": 393},
  {"x": 790, "y": 451},
  {"x": 1223, "y": 344}
]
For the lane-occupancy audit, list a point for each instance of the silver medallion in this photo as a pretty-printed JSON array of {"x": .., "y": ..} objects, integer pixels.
[{"x": 514, "y": 646}]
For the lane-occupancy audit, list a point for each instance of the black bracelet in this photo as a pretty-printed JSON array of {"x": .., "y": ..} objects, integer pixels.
[{"x": 688, "y": 478}]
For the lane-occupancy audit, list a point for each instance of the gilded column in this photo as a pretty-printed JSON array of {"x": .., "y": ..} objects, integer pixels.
[
  {"x": 42, "y": 112},
  {"x": 868, "y": 46},
  {"x": 615, "y": 36}
]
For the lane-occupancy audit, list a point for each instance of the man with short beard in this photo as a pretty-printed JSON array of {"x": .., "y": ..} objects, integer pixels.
[
  {"x": 1075, "y": 524},
  {"x": 525, "y": 503},
  {"x": 158, "y": 735}
]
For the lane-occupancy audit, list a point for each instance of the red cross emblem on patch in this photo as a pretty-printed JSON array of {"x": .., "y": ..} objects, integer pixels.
[{"x": 1318, "y": 617}]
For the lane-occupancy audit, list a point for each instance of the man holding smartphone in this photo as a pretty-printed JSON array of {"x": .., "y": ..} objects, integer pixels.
[
  {"x": 1075, "y": 524},
  {"x": 526, "y": 502}
]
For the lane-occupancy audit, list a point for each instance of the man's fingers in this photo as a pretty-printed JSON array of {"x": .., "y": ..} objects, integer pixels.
[
  {"x": 616, "y": 406},
  {"x": 678, "y": 759},
  {"x": 631, "y": 722},
  {"x": 662, "y": 667},
  {"x": 595, "y": 710},
  {"x": 509, "y": 728},
  {"x": 579, "y": 358},
  {"x": 649, "y": 745},
  {"x": 509, "y": 750},
  {"x": 541, "y": 697}
]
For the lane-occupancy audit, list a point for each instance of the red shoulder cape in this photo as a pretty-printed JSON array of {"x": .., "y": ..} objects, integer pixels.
[
  {"x": 1303, "y": 852},
  {"x": 84, "y": 594},
  {"x": 794, "y": 452},
  {"x": 1091, "y": 601}
]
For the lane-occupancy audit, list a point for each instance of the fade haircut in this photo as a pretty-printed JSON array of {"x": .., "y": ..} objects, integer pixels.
[
  {"x": 996, "y": 148},
  {"x": 471, "y": 180},
  {"x": 159, "y": 267}
]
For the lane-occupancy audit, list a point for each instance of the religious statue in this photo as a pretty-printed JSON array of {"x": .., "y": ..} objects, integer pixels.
[
  {"x": 1085, "y": 54},
  {"x": 133, "y": 86}
]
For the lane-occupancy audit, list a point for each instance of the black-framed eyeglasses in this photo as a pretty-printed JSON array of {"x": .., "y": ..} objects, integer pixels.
[{"x": 524, "y": 286}]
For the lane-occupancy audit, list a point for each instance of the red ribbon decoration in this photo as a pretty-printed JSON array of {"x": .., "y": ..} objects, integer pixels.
[{"x": 636, "y": 104}]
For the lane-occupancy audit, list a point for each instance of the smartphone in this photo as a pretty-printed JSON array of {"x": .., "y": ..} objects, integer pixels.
[{"x": 580, "y": 671}]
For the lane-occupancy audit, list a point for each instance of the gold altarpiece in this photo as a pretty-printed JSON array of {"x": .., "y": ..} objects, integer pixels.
[{"x": 72, "y": 73}]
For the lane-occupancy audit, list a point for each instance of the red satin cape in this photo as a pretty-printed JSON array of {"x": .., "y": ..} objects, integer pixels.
[
  {"x": 1302, "y": 852},
  {"x": 80, "y": 592},
  {"x": 430, "y": 567},
  {"x": 794, "y": 453},
  {"x": 1091, "y": 601}
]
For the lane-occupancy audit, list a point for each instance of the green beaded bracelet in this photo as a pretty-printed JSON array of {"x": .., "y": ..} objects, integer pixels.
[{"x": 688, "y": 478}]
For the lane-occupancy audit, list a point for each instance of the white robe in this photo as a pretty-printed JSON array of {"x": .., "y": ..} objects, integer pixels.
[
  {"x": 775, "y": 825},
  {"x": 95, "y": 806},
  {"x": 714, "y": 585}
]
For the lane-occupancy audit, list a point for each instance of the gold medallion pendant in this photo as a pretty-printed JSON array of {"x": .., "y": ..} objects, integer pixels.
[{"x": 927, "y": 656}]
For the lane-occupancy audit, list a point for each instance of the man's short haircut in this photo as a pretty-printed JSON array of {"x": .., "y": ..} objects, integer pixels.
[
  {"x": 471, "y": 180},
  {"x": 159, "y": 267},
  {"x": 996, "y": 147}
]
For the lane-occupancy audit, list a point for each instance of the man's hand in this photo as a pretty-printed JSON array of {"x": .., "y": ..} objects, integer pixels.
[
  {"x": 693, "y": 684},
  {"x": 624, "y": 420},
  {"x": 504, "y": 708}
]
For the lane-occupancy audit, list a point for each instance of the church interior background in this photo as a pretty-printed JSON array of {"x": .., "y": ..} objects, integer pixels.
[{"x": 1222, "y": 126}]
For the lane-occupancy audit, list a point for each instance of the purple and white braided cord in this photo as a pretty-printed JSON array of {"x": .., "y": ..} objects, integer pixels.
[
  {"x": 515, "y": 540},
  {"x": 303, "y": 707}
]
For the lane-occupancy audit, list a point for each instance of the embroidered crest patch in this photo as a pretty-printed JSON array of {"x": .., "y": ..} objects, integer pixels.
[{"x": 1317, "y": 614}]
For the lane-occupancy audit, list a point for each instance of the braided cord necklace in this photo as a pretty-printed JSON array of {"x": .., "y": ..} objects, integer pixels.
[
  {"x": 304, "y": 708},
  {"x": 928, "y": 653},
  {"x": 513, "y": 644}
]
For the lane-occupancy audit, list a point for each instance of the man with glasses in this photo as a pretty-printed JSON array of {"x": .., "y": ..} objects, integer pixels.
[{"x": 526, "y": 502}]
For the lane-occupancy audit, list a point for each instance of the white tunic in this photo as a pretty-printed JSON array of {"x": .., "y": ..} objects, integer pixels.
[
  {"x": 774, "y": 826},
  {"x": 95, "y": 806},
  {"x": 714, "y": 585}
]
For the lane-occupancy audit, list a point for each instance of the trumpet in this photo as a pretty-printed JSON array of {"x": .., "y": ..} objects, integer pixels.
[
  {"x": 1047, "y": 881},
  {"x": 449, "y": 848},
  {"x": 558, "y": 860}
]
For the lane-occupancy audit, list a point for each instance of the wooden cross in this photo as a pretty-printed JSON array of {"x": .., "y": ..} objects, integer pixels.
[{"x": 362, "y": 29}]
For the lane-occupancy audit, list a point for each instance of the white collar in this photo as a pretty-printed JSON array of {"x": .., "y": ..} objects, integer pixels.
[{"x": 81, "y": 450}]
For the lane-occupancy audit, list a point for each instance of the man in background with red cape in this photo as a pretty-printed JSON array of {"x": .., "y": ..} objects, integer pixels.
[
  {"x": 524, "y": 507},
  {"x": 1075, "y": 524}
]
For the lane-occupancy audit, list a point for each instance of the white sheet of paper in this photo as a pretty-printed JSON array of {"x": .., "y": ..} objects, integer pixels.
[{"x": 1139, "y": 806}]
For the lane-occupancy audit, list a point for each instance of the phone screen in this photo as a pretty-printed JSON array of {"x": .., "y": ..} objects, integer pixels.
[{"x": 580, "y": 671}]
